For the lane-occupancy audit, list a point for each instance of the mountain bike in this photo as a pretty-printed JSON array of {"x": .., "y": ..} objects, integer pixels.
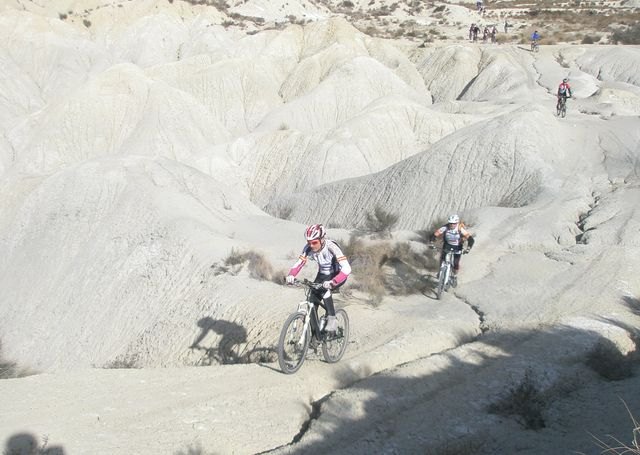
[
  {"x": 305, "y": 328},
  {"x": 535, "y": 47},
  {"x": 445, "y": 274},
  {"x": 561, "y": 108}
]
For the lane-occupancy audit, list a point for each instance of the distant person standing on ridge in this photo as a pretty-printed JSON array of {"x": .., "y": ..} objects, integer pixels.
[
  {"x": 494, "y": 32},
  {"x": 476, "y": 30},
  {"x": 471, "y": 31},
  {"x": 506, "y": 26},
  {"x": 333, "y": 267},
  {"x": 454, "y": 235}
]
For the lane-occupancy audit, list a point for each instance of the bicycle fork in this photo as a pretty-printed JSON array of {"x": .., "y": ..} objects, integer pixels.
[{"x": 303, "y": 307}]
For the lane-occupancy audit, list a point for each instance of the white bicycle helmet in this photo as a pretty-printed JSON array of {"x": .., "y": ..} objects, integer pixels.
[
  {"x": 315, "y": 232},
  {"x": 453, "y": 219},
  {"x": 565, "y": 80}
]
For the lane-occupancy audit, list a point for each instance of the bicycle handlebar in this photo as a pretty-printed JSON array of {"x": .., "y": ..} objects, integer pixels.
[
  {"x": 434, "y": 247},
  {"x": 307, "y": 283}
]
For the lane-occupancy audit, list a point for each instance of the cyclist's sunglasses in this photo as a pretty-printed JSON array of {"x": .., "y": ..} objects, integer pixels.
[{"x": 313, "y": 242}]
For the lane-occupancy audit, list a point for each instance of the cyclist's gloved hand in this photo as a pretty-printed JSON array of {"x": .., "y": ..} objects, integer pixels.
[
  {"x": 327, "y": 284},
  {"x": 466, "y": 251},
  {"x": 291, "y": 279}
]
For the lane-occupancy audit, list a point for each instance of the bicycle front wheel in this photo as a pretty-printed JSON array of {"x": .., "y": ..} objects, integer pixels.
[
  {"x": 563, "y": 111},
  {"x": 293, "y": 344},
  {"x": 442, "y": 280},
  {"x": 335, "y": 343}
]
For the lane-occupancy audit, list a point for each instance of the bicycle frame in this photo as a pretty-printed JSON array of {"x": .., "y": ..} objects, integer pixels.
[
  {"x": 448, "y": 264},
  {"x": 562, "y": 106},
  {"x": 309, "y": 308}
]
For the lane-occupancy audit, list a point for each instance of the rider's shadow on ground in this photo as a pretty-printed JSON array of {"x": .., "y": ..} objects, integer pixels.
[
  {"x": 405, "y": 280},
  {"x": 232, "y": 335},
  {"x": 232, "y": 346}
]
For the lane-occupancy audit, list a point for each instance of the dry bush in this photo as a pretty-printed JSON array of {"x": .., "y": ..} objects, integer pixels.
[
  {"x": 258, "y": 266},
  {"x": 629, "y": 36},
  {"x": 367, "y": 262},
  {"x": 385, "y": 267},
  {"x": 524, "y": 401},
  {"x": 124, "y": 362},
  {"x": 380, "y": 222},
  {"x": 284, "y": 212},
  {"x": 10, "y": 370},
  {"x": 588, "y": 39},
  {"x": 606, "y": 359}
]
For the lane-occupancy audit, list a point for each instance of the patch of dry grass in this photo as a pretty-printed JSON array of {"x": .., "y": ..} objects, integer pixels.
[
  {"x": 380, "y": 222},
  {"x": 384, "y": 267},
  {"x": 256, "y": 263},
  {"x": 10, "y": 370},
  {"x": 525, "y": 401},
  {"x": 616, "y": 447}
]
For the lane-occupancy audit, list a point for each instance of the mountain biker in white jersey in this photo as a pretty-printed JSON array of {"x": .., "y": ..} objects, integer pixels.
[
  {"x": 333, "y": 267},
  {"x": 454, "y": 235}
]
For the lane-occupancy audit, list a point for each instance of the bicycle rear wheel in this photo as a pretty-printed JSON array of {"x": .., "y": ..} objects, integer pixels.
[
  {"x": 293, "y": 344},
  {"x": 563, "y": 110},
  {"x": 335, "y": 343}
]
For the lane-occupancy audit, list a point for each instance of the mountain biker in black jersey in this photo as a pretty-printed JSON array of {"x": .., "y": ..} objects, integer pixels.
[
  {"x": 564, "y": 91},
  {"x": 454, "y": 235},
  {"x": 333, "y": 267}
]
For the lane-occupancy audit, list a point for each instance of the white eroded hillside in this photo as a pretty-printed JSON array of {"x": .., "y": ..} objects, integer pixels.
[{"x": 142, "y": 149}]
